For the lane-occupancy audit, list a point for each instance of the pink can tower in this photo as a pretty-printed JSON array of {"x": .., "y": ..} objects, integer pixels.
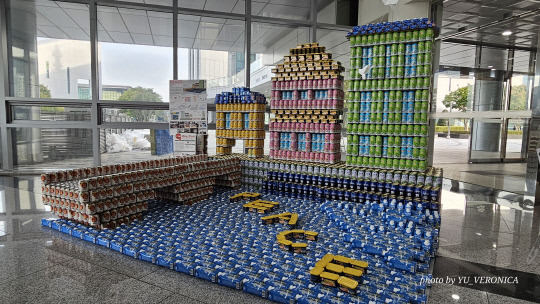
[{"x": 307, "y": 100}]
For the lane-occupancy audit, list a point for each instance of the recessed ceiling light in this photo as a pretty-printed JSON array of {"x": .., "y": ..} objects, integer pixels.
[
  {"x": 507, "y": 33},
  {"x": 490, "y": 66},
  {"x": 455, "y": 297}
]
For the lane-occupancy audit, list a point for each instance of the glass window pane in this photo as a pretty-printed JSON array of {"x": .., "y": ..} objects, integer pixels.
[
  {"x": 134, "y": 144},
  {"x": 451, "y": 141},
  {"x": 287, "y": 9},
  {"x": 50, "y": 43},
  {"x": 269, "y": 44},
  {"x": 228, "y": 6},
  {"x": 521, "y": 61},
  {"x": 454, "y": 90},
  {"x": 211, "y": 49},
  {"x": 51, "y": 148},
  {"x": 132, "y": 115},
  {"x": 515, "y": 138},
  {"x": 457, "y": 55},
  {"x": 135, "y": 48},
  {"x": 336, "y": 43},
  {"x": 50, "y": 113}
]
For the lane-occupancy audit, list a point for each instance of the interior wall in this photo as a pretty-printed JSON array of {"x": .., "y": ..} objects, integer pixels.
[{"x": 373, "y": 11}]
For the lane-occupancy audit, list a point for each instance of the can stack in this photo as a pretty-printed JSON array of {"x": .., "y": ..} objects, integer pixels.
[
  {"x": 307, "y": 101},
  {"x": 240, "y": 115},
  {"x": 390, "y": 93},
  {"x": 208, "y": 241},
  {"x": 108, "y": 196}
]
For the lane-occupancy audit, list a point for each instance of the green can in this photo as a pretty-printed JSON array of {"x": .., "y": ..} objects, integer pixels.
[
  {"x": 360, "y": 129},
  {"x": 391, "y": 141},
  {"x": 399, "y": 83},
  {"x": 354, "y": 161},
  {"x": 416, "y": 118},
  {"x": 355, "y": 150},
  {"x": 353, "y": 63},
  {"x": 408, "y": 36},
  {"x": 391, "y": 117},
  {"x": 402, "y": 164},
  {"x": 371, "y": 162},
  {"x": 395, "y": 164},
  {"x": 382, "y": 51},
  {"x": 391, "y": 98},
  {"x": 376, "y": 38},
  {"x": 356, "y": 117},
  {"x": 353, "y": 73},
  {"x": 397, "y": 116},
  {"x": 401, "y": 37},
  {"x": 390, "y": 152},
  {"x": 412, "y": 83},
  {"x": 406, "y": 83},
  {"x": 397, "y": 142},
  {"x": 357, "y": 96},
  {"x": 423, "y": 117},
  {"x": 355, "y": 140},
  {"x": 422, "y": 153},
  {"x": 365, "y": 161},
  {"x": 422, "y": 34},
  {"x": 378, "y": 151},
  {"x": 380, "y": 73},
  {"x": 426, "y": 83},
  {"x": 378, "y": 129},
  {"x": 399, "y": 98},
  {"x": 425, "y": 95},
  {"x": 392, "y": 105},
  {"x": 408, "y": 164},
  {"x": 370, "y": 39},
  {"x": 367, "y": 85},
  {"x": 357, "y": 106},
  {"x": 376, "y": 162},
  {"x": 415, "y": 152},
  {"x": 378, "y": 141},
  {"x": 401, "y": 48},
  {"x": 418, "y": 96},
  {"x": 410, "y": 130},
  {"x": 416, "y": 130},
  {"x": 423, "y": 130},
  {"x": 380, "y": 97},
  {"x": 361, "y": 85},
  {"x": 394, "y": 60},
  {"x": 415, "y": 164},
  {"x": 354, "y": 129},
  {"x": 421, "y": 165},
  {"x": 378, "y": 118},
  {"x": 349, "y": 160},
  {"x": 350, "y": 117},
  {"x": 374, "y": 73},
  {"x": 415, "y": 35},
  {"x": 416, "y": 142},
  {"x": 420, "y": 70},
  {"x": 380, "y": 84},
  {"x": 372, "y": 129},
  {"x": 372, "y": 150},
  {"x": 380, "y": 105},
  {"x": 417, "y": 106},
  {"x": 424, "y": 107},
  {"x": 397, "y": 151},
  {"x": 353, "y": 51},
  {"x": 388, "y": 37},
  {"x": 429, "y": 33},
  {"x": 393, "y": 72},
  {"x": 349, "y": 128},
  {"x": 364, "y": 40},
  {"x": 382, "y": 61},
  {"x": 427, "y": 57},
  {"x": 390, "y": 128},
  {"x": 395, "y": 37},
  {"x": 387, "y": 84},
  {"x": 428, "y": 46},
  {"x": 352, "y": 41},
  {"x": 427, "y": 68},
  {"x": 403, "y": 130},
  {"x": 401, "y": 60},
  {"x": 394, "y": 49},
  {"x": 421, "y": 48},
  {"x": 383, "y": 163},
  {"x": 399, "y": 71},
  {"x": 384, "y": 129},
  {"x": 420, "y": 59}
]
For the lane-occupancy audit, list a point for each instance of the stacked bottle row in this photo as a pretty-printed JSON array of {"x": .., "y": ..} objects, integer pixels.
[
  {"x": 389, "y": 95},
  {"x": 240, "y": 121}
]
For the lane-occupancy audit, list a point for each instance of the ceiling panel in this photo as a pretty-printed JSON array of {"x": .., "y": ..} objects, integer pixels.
[
  {"x": 57, "y": 16},
  {"x": 137, "y": 24},
  {"x": 76, "y": 33},
  {"x": 161, "y": 26},
  {"x": 142, "y": 39},
  {"x": 112, "y": 22},
  {"x": 187, "y": 28},
  {"x": 220, "y": 5},
  {"x": 53, "y": 32},
  {"x": 163, "y": 40},
  {"x": 121, "y": 37},
  {"x": 196, "y": 4}
]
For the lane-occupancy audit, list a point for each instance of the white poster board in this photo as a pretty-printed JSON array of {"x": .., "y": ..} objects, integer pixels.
[{"x": 188, "y": 114}]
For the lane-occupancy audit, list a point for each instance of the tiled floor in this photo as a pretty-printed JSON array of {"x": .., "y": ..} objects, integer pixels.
[{"x": 480, "y": 227}]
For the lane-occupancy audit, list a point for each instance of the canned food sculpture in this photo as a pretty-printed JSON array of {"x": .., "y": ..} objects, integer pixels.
[
  {"x": 307, "y": 100},
  {"x": 240, "y": 115},
  {"x": 109, "y": 196},
  {"x": 389, "y": 94},
  {"x": 339, "y": 271}
]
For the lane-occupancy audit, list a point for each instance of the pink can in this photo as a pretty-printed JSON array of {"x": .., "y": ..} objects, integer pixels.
[
  {"x": 316, "y": 128},
  {"x": 335, "y": 83},
  {"x": 332, "y": 137},
  {"x": 308, "y": 137},
  {"x": 310, "y": 94},
  {"x": 309, "y": 84},
  {"x": 325, "y": 84}
]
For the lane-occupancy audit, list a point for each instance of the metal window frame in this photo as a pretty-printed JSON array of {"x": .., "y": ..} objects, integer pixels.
[{"x": 96, "y": 104}]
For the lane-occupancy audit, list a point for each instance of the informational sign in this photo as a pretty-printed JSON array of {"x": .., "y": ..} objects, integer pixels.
[{"x": 188, "y": 113}]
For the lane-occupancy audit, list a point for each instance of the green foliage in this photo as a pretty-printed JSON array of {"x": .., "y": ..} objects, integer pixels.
[
  {"x": 140, "y": 94},
  {"x": 442, "y": 122},
  {"x": 512, "y": 132},
  {"x": 452, "y": 128},
  {"x": 518, "y": 97},
  {"x": 44, "y": 91},
  {"x": 458, "y": 99}
]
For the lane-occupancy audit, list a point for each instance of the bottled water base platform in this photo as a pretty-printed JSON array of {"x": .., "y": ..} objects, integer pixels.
[{"x": 219, "y": 241}]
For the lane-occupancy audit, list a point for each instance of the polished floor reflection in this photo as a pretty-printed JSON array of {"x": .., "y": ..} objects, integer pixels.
[{"x": 484, "y": 232}]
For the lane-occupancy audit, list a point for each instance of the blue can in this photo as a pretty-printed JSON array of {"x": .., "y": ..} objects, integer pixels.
[
  {"x": 368, "y": 118},
  {"x": 362, "y": 117},
  {"x": 412, "y": 71},
  {"x": 410, "y": 118},
  {"x": 407, "y": 72},
  {"x": 370, "y": 52},
  {"x": 401, "y": 192},
  {"x": 388, "y": 49},
  {"x": 408, "y": 60},
  {"x": 387, "y": 72},
  {"x": 368, "y": 96},
  {"x": 410, "y": 96},
  {"x": 414, "y": 48},
  {"x": 417, "y": 192},
  {"x": 410, "y": 142},
  {"x": 408, "y": 49},
  {"x": 409, "y": 152},
  {"x": 363, "y": 96},
  {"x": 353, "y": 196},
  {"x": 365, "y": 52},
  {"x": 368, "y": 106},
  {"x": 385, "y": 118},
  {"x": 365, "y": 61},
  {"x": 403, "y": 151},
  {"x": 361, "y": 197},
  {"x": 386, "y": 96},
  {"x": 388, "y": 61},
  {"x": 434, "y": 193},
  {"x": 333, "y": 194},
  {"x": 386, "y": 107},
  {"x": 414, "y": 60}
]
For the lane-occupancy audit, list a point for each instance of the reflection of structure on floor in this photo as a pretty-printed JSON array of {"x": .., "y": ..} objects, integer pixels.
[{"x": 232, "y": 253}]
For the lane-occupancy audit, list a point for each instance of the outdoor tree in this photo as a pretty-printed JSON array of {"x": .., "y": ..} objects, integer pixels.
[
  {"x": 458, "y": 101},
  {"x": 44, "y": 91},
  {"x": 518, "y": 97},
  {"x": 140, "y": 94}
]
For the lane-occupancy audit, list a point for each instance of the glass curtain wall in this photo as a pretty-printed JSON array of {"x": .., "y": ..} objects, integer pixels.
[{"x": 105, "y": 84}]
